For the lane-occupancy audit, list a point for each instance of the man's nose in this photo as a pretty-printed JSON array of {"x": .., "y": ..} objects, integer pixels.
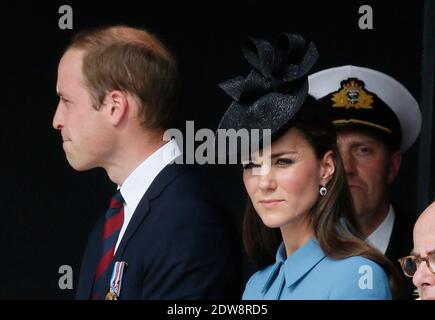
[
  {"x": 58, "y": 118},
  {"x": 423, "y": 277},
  {"x": 348, "y": 162}
]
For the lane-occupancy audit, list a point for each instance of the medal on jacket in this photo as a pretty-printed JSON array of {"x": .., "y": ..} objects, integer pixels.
[{"x": 116, "y": 280}]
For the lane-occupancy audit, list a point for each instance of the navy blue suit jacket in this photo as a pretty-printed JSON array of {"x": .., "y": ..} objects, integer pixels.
[
  {"x": 178, "y": 245},
  {"x": 400, "y": 245}
]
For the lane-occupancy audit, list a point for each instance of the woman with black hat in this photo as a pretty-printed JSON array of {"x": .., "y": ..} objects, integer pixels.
[{"x": 298, "y": 225}]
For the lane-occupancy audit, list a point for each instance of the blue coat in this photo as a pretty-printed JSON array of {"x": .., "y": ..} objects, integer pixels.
[
  {"x": 177, "y": 245},
  {"x": 309, "y": 274}
]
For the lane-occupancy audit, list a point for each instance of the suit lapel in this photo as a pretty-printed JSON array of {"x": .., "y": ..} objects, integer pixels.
[
  {"x": 400, "y": 243},
  {"x": 90, "y": 260},
  {"x": 165, "y": 177}
]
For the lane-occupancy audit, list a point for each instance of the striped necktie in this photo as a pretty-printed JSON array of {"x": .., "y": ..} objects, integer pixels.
[{"x": 114, "y": 219}]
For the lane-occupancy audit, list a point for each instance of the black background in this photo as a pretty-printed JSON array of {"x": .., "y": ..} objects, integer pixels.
[{"x": 48, "y": 209}]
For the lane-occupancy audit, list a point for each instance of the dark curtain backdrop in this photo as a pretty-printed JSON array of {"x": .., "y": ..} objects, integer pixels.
[{"x": 48, "y": 209}]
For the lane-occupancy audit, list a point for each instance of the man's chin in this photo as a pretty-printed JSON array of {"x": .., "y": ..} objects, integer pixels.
[
  {"x": 427, "y": 295},
  {"x": 80, "y": 166},
  {"x": 360, "y": 206}
]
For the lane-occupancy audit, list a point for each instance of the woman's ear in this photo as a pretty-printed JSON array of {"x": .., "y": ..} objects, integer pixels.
[{"x": 327, "y": 167}]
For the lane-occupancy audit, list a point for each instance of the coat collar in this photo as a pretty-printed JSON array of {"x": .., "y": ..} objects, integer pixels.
[{"x": 296, "y": 265}]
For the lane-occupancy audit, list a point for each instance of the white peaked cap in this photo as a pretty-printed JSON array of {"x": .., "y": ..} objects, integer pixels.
[{"x": 388, "y": 89}]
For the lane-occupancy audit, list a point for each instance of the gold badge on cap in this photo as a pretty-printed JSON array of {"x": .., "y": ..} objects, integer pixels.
[{"x": 352, "y": 95}]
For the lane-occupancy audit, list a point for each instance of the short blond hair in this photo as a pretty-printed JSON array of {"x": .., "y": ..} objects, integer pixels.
[{"x": 134, "y": 61}]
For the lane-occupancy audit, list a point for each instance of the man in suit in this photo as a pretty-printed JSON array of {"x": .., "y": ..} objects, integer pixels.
[
  {"x": 420, "y": 265},
  {"x": 162, "y": 237},
  {"x": 377, "y": 119}
]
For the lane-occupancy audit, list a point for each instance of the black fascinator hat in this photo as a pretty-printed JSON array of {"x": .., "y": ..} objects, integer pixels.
[{"x": 276, "y": 87}]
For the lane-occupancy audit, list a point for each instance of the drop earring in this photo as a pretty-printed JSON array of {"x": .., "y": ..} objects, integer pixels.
[{"x": 323, "y": 191}]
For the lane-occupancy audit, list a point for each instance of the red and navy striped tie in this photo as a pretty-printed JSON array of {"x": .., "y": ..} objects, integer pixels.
[{"x": 114, "y": 219}]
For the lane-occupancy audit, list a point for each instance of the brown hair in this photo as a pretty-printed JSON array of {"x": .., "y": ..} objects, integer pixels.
[
  {"x": 133, "y": 61},
  {"x": 334, "y": 224}
]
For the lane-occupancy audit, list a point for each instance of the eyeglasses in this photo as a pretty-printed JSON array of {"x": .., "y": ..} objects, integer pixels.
[{"x": 410, "y": 264}]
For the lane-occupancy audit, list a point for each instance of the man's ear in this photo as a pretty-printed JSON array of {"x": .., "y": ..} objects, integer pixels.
[
  {"x": 394, "y": 166},
  {"x": 117, "y": 102},
  {"x": 327, "y": 167}
]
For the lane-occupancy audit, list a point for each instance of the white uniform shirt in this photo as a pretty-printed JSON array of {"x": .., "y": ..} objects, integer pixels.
[{"x": 381, "y": 236}]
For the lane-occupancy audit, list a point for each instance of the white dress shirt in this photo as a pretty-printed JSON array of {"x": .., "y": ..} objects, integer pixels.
[
  {"x": 138, "y": 182},
  {"x": 381, "y": 236}
]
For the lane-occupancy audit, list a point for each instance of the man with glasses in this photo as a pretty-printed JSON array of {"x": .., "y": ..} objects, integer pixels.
[{"x": 420, "y": 265}]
